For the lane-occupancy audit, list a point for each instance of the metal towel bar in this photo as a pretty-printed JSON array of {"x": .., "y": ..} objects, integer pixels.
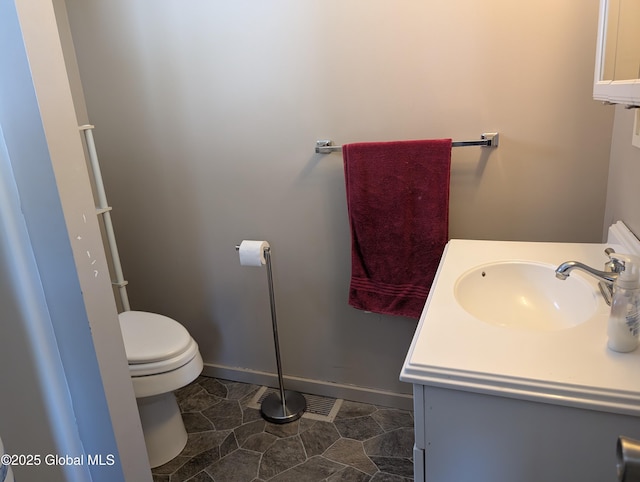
[{"x": 488, "y": 139}]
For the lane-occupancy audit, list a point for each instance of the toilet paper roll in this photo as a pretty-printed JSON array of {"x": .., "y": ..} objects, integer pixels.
[{"x": 252, "y": 252}]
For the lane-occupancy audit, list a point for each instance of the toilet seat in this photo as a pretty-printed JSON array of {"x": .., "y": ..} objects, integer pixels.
[
  {"x": 155, "y": 368},
  {"x": 150, "y": 338}
]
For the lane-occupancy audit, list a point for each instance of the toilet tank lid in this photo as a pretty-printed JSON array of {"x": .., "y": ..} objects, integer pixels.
[{"x": 150, "y": 337}]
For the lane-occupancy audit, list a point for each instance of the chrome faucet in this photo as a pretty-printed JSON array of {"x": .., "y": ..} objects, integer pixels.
[
  {"x": 612, "y": 269},
  {"x": 563, "y": 271}
]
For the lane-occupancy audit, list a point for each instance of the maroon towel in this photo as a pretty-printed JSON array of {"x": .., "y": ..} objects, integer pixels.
[{"x": 398, "y": 204}]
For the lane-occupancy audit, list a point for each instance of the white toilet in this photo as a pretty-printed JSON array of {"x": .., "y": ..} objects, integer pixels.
[{"x": 162, "y": 358}]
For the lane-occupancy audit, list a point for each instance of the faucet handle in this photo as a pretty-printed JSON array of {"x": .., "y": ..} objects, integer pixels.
[{"x": 613, "y": 265}]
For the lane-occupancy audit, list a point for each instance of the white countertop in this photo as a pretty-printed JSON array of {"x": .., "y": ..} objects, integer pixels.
[{"x": 572, "y": 367}]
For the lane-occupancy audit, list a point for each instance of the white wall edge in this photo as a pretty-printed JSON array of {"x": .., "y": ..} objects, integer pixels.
[
  {"x": 316, "y": 387},
  {"x": 619, "y": 233}
]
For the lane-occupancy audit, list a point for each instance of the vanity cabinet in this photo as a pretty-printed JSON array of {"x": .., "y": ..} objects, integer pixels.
[
  {"x": 463, "y": 436},
  {"x": 617, "y": 70},
  {"x": 504, "y": 402}
]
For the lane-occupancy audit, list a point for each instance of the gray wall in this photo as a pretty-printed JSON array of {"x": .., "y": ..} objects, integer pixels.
[
  {"x": 52, "y": 400},
  {"x": 623, "y": 192},
  {"x": 60, "y": 316},
  {"x": 34, "y": 386},
  {"x": 207, "y": 114}
]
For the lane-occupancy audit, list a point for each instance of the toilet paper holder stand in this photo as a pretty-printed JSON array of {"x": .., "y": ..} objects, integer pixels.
[{"x": 287, "y": 405}]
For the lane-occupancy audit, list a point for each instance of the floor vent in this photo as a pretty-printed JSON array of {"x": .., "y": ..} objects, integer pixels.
[{"x": 318, "y": 408}]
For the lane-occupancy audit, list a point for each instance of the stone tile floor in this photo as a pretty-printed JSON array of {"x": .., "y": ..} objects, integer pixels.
[{"x": 228, "y": 441}]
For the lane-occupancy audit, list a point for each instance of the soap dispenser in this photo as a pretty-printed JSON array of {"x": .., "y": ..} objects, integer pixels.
[{"x": 624, "y": 321}]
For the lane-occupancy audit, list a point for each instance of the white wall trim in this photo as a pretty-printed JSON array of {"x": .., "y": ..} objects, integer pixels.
[
  {"x": 316, "y": 387},
  {"x": 619, "y": 233}
]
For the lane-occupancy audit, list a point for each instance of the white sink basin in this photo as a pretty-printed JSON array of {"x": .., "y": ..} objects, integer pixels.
[
  {"x": 525, "y": 295},
  {"x": 559, "y": 355}
]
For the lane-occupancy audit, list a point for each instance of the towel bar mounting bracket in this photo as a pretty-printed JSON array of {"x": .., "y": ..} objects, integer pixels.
[{"x": 325, "y": 146}]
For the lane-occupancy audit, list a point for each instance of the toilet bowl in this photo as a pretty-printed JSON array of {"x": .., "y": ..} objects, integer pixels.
[{"x": 162, "y": 358}]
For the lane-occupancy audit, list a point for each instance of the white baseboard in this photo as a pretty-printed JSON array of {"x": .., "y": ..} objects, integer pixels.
[{"x": 355, "y": 393}]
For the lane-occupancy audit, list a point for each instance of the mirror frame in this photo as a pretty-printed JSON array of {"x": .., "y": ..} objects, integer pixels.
[{"x": 613, "y": 91}]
